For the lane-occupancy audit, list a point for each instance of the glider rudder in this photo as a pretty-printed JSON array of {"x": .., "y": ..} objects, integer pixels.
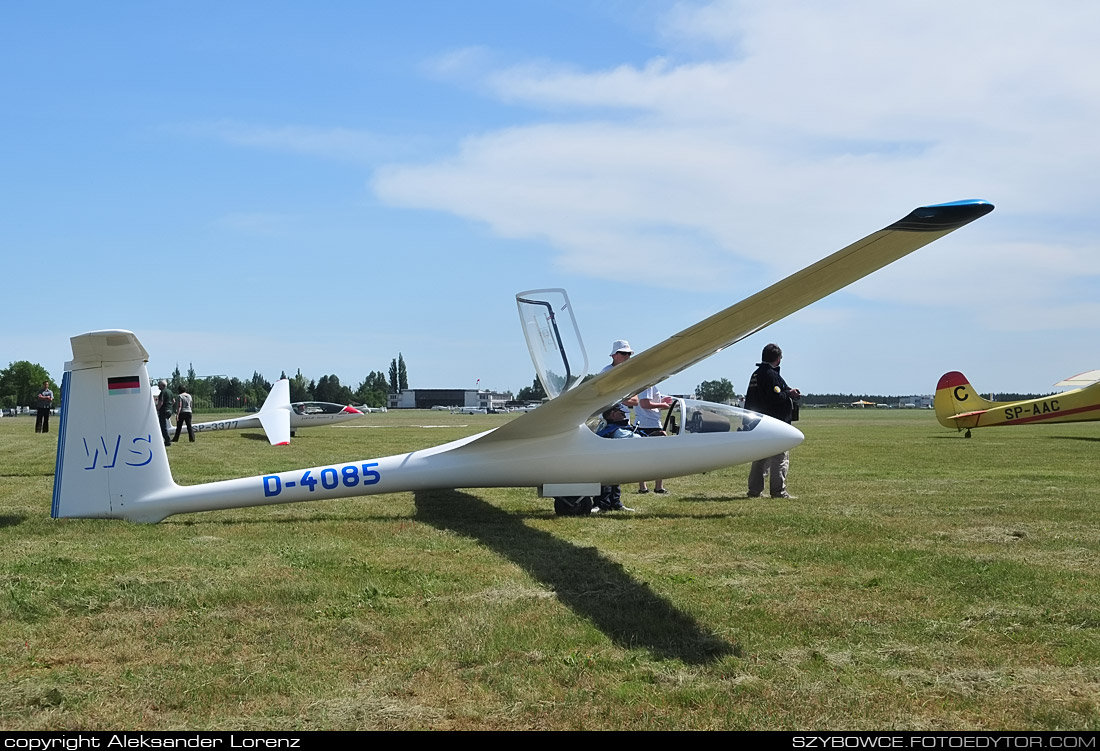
[
  {"x": 110, "y": 451},
  {"x": 275, "y": 413}
]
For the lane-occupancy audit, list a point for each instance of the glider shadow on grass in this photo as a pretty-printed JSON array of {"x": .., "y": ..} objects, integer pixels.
[{"x": 592, "y": 585}]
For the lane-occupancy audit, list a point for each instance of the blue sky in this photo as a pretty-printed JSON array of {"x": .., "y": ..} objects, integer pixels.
[{"x": 279, "y": 186}]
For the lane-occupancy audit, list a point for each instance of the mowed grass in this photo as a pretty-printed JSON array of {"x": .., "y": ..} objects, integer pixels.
[{"x": 919, "y": 581}]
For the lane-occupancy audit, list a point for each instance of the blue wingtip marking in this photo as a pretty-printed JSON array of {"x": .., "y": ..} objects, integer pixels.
[{"x": 967, "y": 202}]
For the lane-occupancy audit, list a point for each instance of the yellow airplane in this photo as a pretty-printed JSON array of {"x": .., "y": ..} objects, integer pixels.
[{"x": 958, "y": 405}]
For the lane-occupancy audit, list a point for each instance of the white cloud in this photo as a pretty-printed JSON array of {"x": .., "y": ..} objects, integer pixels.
[{"x": 808, "y": 126}]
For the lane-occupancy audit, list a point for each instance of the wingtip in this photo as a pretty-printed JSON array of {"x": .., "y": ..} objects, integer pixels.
[{"x": 943, "y": 216}]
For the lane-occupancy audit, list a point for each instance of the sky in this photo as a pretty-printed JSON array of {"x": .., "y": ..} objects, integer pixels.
[{"x": 281, "y": 186}]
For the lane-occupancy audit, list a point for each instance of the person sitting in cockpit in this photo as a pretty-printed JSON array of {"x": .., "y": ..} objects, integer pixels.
[{"x": 616, "y": 425}]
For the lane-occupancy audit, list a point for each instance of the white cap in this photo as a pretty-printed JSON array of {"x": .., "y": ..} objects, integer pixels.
[{"x": 621, "y": 345}]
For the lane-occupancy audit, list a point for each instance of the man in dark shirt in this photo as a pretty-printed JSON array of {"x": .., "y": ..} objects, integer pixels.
[
  {"x": 45, "y": 404},
  {"x": 166, "y": 404},
  {"x": 770, "y": 395}
]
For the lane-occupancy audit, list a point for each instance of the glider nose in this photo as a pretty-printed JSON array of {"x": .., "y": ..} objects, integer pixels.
[
  {"x": 792, "y": 434},
  {"x": 352, "y": 410},
  {"x": 781, "y": 435}
]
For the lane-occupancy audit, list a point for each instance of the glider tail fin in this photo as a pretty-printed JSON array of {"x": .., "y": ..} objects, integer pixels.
[
  {"x": 275, "y": 413},
  {"x": 110, "y": 450},
  {"x": 955, "y": 396}
]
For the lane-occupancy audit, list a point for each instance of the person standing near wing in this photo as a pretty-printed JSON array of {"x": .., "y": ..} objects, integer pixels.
[
  {"x": 165, "y": 404},
  {"x": 770, "y": 395},
  {"x": 616, "y": 419},
  {"x": 647, "y": 419},
  {"x": 184, "y": 415},
  {"x": 620, "y": 353}
]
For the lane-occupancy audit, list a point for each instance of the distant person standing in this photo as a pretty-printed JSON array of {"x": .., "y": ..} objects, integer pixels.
[
  {"x": 165, "y": 404},
  {"x": 45, "y": 404},
  {"x": 770, "y": 395},
  {"x": 647, "y": 419},
  {"x": 184, "y": 415}
]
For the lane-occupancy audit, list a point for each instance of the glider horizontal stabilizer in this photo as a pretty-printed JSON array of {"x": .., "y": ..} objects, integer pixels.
[{"x": 963, "y": 415}]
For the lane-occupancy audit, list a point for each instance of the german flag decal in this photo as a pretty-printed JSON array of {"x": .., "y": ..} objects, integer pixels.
[{"x": 123, "y": 385}]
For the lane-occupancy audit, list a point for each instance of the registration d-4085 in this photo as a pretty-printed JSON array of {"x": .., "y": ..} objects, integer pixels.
[{"x": 329, "y": 478}]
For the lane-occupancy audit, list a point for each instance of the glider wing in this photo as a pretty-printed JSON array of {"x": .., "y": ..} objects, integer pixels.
[
  {"x": 1080, "y": 380},
  {"x": 713, "y": 334}
]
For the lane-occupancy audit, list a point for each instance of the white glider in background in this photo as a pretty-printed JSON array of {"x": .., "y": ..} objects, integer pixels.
[
  {"x": 280, "y": 419},
  {"x": 111, "y": 463}
]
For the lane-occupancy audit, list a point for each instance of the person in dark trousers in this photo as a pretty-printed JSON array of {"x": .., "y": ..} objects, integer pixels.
[
  {"x": 616, "y": 425},
  {"x": 770, "y": 395},
  {"x": 184, "y": 415},
  {"x": 45, "y": 404},
  {"x": 165, "y": 404}
]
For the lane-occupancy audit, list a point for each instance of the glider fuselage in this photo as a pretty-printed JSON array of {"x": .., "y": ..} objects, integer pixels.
[{"x": 302, "y": 415}]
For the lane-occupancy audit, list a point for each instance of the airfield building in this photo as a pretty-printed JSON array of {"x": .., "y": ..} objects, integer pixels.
[
  {"x": 915, "y": 402},
  {"x": 450, "y": 398}
]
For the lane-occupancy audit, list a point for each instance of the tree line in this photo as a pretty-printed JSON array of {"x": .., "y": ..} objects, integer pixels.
[
  {"x": 722, "y": 391},
  {"x": 21, "y": 381}
]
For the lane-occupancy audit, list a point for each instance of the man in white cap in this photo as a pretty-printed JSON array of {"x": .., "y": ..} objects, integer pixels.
[
  {"x": 610, "y": 495},
  {"x": 647, "y": 405},
  {"x": 620, "y": 353}
]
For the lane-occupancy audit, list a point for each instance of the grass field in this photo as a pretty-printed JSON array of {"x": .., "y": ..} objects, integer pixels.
[{"x": 919, "y": 581}]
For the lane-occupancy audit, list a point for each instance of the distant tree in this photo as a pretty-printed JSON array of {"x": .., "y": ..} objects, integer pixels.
[
  {"x": 20, "y": 383},
  {"x": 299, "y": 389},
  {"x": 177, "y": 379},
  {"x": 321, "y": 392},
  {"x": 192, "y": 379},
  {"x": 330, "y": 390},
  {"x": 227, "y": 392},
  {"x": 256, "y": 390},
  {"x": 394, "y": 383},
  {"x": 373, "y": 390},
  {"x": 720, "y": 391},
  {"x": 377, "y": 381},
  {"x": 402, "y": 374},
  {"x": 533, "y": 393},
  {"x": 259, "y": 382}
]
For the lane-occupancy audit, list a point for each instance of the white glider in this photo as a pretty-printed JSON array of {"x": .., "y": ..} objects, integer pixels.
[
  {"x": 111, "y": 463},
  {"x": 280, "y": 419}
]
